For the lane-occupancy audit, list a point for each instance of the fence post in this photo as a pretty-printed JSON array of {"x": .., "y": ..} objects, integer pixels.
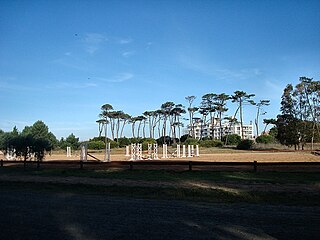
[
  {"x": 38, "y": 164},
  {"x": 255, "y": 166},
  {"x": 81, "y": 164},
  {"x": 190, "y": 165},
  {"x": 1, "y": 163}
]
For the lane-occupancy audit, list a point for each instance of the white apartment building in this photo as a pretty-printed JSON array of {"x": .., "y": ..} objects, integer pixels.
[{"x": 227, "y": 128}]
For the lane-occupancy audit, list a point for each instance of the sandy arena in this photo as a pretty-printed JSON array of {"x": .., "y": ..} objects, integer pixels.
[{"x": 233, "y": 156}]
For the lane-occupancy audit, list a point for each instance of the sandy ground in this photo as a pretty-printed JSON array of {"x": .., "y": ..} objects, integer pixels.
[{"x": 217, "y": 157}]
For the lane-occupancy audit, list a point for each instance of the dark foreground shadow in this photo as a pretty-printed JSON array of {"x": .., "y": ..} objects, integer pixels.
[{"x": 35, "y": 215}]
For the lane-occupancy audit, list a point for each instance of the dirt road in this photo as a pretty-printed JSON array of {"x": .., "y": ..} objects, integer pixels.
[{"x": 36, "y": 215}]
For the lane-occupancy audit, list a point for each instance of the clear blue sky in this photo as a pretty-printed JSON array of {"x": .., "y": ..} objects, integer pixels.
[{"x": 61, "y": 60}]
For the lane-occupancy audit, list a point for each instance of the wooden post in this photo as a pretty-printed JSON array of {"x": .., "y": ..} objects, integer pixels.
[
  {"x": 255, "y": 166},
  {"x": 24, "y": 163},
  {"x": 1, "y": 163},
  {"x": 81, "y": 164},
  {"x": 38, "y": 164},
  {"x": 190, "y": 165}
]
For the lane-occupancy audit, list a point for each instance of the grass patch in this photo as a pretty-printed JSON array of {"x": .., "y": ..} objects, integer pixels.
[
  {"x": 173, "y": 176},
  {"x": 191, "y": 194}
]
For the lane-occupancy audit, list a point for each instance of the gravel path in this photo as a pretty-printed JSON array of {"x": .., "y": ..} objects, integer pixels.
[{"x": 36, "y": 215}]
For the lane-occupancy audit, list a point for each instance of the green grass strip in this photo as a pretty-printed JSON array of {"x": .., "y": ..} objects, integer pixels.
[
  {"x": 173, "y": 176},
  {"x": 190, "y": 194}
]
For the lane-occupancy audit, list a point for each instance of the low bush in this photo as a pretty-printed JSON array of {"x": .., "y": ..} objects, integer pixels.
[
  {"x": 245, "y": 144},
  {"x": 232, "y": 139},
  {"x": 113, "y": 144},
  {"x": 183, "y": 138},
  {"x": 164, "y": 140},
  {"x": 147, "y": 141},
  {"x": 191, "y": 141},
  {"x": 124, "y": 142},
  {"x": 265, "y": 139},
  {"x": 136, "y": 140},
  {"x": 96, "y": 145},
  {"x": 211, "y": 143}
]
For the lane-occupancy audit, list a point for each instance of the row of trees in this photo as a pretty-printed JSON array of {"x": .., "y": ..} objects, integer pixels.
[
  {"x": 34, "y": 141},
  {"x": 297, "y": 124},
  {"x": 98, "y": 143},
  {"x": 299, "y": 121},
  {"x": 168, "y": 120}
]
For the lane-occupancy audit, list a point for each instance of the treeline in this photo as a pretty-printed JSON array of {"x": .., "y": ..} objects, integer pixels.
[
  {"x": 34, "y": 141},
  {"x": 299, "y": 121},
  {"x": 98, "y": 143},
  {"x": 170, "y": 118},
  {"x": 298, "y": 124}
]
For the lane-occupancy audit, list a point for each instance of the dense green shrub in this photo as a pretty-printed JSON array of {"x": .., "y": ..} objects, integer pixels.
[
  {"x": 136, "y": 140},
  {"x": 147, "y": 141},
  {"x": 207, "y": 138},
  {"x": 183, "y": 138},
  {"x": 101, "y": 138},
  {"x": 163, "y": 140},
  {"x": 113, "y": 144},
  {"x": 124, "y": 142},
  {"x": 232, "y": 139},
  {"x": 96, "y": 145},
  {"x": 211, "y": 143},
  {"x": 191, "y": 141},
  {"x": 245, "y": 144},
  {"x": 265, "y": 139}
]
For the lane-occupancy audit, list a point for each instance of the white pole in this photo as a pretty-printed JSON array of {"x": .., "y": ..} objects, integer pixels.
[
  {"x": 155, "y": 151},
  {"x": 68, "y": 151},
  {"x": 178, "y": 151},
  {"x": 133, "y": 151},
  {"x": 192, "y": 150},
  {"x": 183, "y": 151},
  {"x": 197, "y": 151},
  {"x": 189, "y": 151},
  {"x": 83, "y": 152},
  {"x": 127, "y": 151},
  {"x": 106, "y": 141},
  {"x": 139, "y": 151},
  {"x": 149, "y": 151},
  {"x": 109, "y": 152},
  {"x": 164, "y": 151}
]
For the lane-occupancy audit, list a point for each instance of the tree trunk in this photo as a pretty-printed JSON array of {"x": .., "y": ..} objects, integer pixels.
[
  {"x": 220, "y": 125},
  {"x": 144, "y": 129},
  {"x": 241, "y": 121},
  {"x": 256, "y": 122},
  {"x": 139, "y": 129},
  {"x": 133, "y": 127},
  {"x": 124, "y": 123},
  {"x": 118, "y": 129}
]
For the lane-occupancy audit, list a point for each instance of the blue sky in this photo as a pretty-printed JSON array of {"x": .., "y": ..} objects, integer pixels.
[{"x": 61, "y": 60}]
